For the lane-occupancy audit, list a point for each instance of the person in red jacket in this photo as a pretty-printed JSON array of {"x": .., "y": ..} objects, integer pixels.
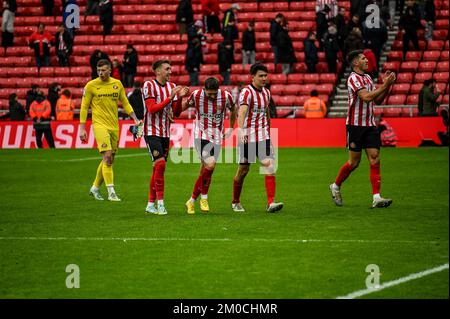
[
  {"x": 41, "y": 42},
  {"x": 373, "y": 67},
  {"x": 40, "y": 111},
  {"x": 210, "y": 11}
]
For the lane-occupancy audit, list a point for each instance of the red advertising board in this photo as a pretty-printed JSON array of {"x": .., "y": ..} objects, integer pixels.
[{"x": 286, "y": 132}]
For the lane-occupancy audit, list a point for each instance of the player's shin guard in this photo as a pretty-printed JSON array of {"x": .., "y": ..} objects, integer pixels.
[
  {"x": 99, "y": 176},
  {"x": 270, "y": 188},
  {"x": 237, "y": 188},
  {"x": 152, "y": 190},
  {"x": 344, "y": 173},
  {"x": 375, "y": 178},
  {"x": 206, "y": 180},
  {"x": 160, "y": 167},
  {"x": 197, "y": 187},
  {"x": 108, "y": 174}
]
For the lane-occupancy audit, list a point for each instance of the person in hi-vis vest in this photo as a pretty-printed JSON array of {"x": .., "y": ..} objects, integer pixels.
[
  {"x": 64, "y": 107},
  {"x": 315, "y": 107}
]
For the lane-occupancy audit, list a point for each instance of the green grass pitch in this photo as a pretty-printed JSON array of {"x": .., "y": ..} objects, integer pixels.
[{"x": 48, "y": 221}]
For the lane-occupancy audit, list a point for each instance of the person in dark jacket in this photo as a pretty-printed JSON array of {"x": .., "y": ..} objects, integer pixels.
[
  {"x": 286, "y": 53},
  {"x": 322, "y": 24},
  {"x": 311, "y": 55},
  {"x": 354, "y": 41},
  {"x": 249, "y": 45},
  {"x": 340, "y": 23},
  {"x": 106, "y": 13},
  {"x": 16, "y": 110},
  {"x": 63, "y": 45},
  {"x": 375, "y": 38},
  {"x": 194, "y": 57},
  {"x": 136, "y": 100},
  {"x": 225, "y": 60},
  {"x": 275, "y": 28},
  {"x": 52, "y": 96},
  {"x": 230, "y": 32},
  {"x": 230, "y": 14},
  {"x": 184, "y": 15},
  {"x": 409, "y": 24},
  {"x": 331, "y": 47},
  {"x": 48, "y": 7},
  {"x": 95, "y": 57},
  {"x": 31, "y": 96},
  {"x": 129, "y": 63}
]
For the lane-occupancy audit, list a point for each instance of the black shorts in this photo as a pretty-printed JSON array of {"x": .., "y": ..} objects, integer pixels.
[
  {"x": 158, "y": 147},
  {"x": 207, "y": 149},
  {"x": 359, "y": 137},
  {"x": 249, "y": 151}
]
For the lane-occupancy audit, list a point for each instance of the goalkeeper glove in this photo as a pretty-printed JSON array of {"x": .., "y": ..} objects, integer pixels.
[{"x": 137, "y": 131}]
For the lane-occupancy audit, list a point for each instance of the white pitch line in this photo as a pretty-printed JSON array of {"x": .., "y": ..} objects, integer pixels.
[
  {"x": 392, "y": 283},
  {"x": 277, "y": 240}
]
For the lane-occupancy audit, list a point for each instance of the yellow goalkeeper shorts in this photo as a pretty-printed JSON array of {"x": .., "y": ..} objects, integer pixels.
[{"x": 107, "y": 140}]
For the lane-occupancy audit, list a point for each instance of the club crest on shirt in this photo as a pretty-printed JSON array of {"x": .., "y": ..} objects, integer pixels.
[
  {"x": 104, "y": 145},
  {"x": 155, "y": 153},
  {"x": 115, "y": 87}
]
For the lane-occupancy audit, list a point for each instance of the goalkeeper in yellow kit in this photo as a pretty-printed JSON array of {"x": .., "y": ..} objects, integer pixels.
[{"x": 102, "y": 95}]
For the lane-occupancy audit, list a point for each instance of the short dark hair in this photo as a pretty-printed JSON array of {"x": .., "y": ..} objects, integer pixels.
[
  {"x": 12, "y": 97},
  {"x": 353, "y": 55},
  {"x": 137, "y": 84},
  {"x": 431, "y": 81},
  {"x": 258, "y": 67},
  {"x": 103, "y": 62},
  {"x": 66, "y": 93},
  {"x": 426, "y": 82},
  {"x": 211, "y": 84},
  {"x": 35, "y": 86},
  {"x": 158, "y": 63},
  {"x": 314, "y": 93},
  {"x": 279, "y": 15}
]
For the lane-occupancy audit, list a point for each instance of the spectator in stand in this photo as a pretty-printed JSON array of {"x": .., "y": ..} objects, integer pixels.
[
  {"x": 249, "y": 45},
  {"x": 7, "y": 26},
  {"x": 372, "y": 69},
  {"x": 95, "y": 57},
  {"x": 130, "y": 62},
  {"x": 340, "y": 23},
  {"x": 231, "y": 14},
  {"x": 387, "y": 133},
  {"x": 194, "y": 57},
  {"x": 63, "y": 45},
  {"x": 53, "y": 97},
  {"x": 332, "y": 4},
  {"x": 230, "y": 32},
  {"x": 409, "y": 24},
  {"x": 331, "y": 47},
  {"x": 375, "y": 38},
  {"x": 430, "y": 18},
  {"x": 184, "y": 16},
  {"x": 430, "y": 95},
  {"x": 41, "y": 41},
  {"x": 353, "y": 23},
  {"x": 210, "y": 12},
  {"x": 136, "y": 100},
  {"x": 31, "y": 96},
  {"x": 40, "y": 111},
  {"x": 286, "y": 52},
  {"x": 385, "y": 12},
  {"x": 311, "y": 52},
  {"x": 48, "y": 5},
  {"x": 117, "y": 70},
  {"x": 91, "y": 8},
  {"x": 225, "y": 58},
  {"x": 314, "y": 107},
  {"x": 16, "y": 110},
  {"x": 358, "y": 7},
  {"x": 196, "y": 31},
  {"x": 354, "y": 41},
  {"x": 65, "y": 107},
  {"x": 426, "y": 83},
  {"x": 275, "y": 28},
  {"x": 106, "y": 13},
  {"x": 322, "y": 24}
]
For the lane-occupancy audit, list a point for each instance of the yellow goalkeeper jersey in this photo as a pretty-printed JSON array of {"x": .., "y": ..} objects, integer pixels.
[{"x": 103, "y": 98}]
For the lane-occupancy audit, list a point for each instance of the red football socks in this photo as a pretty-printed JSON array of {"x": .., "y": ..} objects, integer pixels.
[
  {"x": 375, "y": 178},
  {"x": 343, "y": 174},
  {"x": 270, "y": 188},
  {"x": 160, "y": 167},
  {"x": 152, "y": 190},
  {"x": 237, "y": 188},
  {"x": 206, "y": 180},
  {"x": 197, "y": 187}
]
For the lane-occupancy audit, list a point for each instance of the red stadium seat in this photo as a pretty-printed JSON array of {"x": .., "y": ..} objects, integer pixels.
[
  {"x": 440, "y": 34},
  {"x": 291, "y": 89},
  {"x": 311, "y": 78},
  {"x": 46, "y": 71},
  {"x": 441, "y": 76},
  {"x": 427, "y": 66},
  {"x": 278, "y": 78},
  {"x": 435, "y": 45},
  {"x": 395, "y": 56},
  {"x": 444, "y": 55},
  {"x": 306, "y": 89},
  {"x": 422, "y": 76},
  {"x": 391, "y": 111},
  {"x": 442, "y": 66},
  {"x": 398, "y": 99},
  {"x": 287, "y": 100},
  {"x": 415, "y": 88},
  {"x": 325, "y": 89},
  {"x": 413, "y": 56},
  {"x": 445, "y": 99},
  {"x": 405, "y": 77},
  {"x": 431, "y": 55},
  {"x": 392, "y": 66},
  {"x": 296, "y": 6},
  {"x": 409, "y": 111},
  {"x": 412, "y": 99},
  {"x": 410, "y": 66},
  {"x": 400, "y": 88},
  {"x": 265, "y": 6},
  {"x": 277, "y": 89},
  {"x": 327, "y": 78}
]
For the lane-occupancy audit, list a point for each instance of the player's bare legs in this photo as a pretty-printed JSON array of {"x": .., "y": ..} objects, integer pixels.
[
  {"x": 242, "y": 171},
  {"x": 373, "y": 155},
  {"x": 268, "y": 167},
  {"x": 344, "y": 173}
]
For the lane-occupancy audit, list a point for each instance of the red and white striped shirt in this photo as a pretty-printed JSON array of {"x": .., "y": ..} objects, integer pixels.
[
  {"x": 360, "y": 113},
  {"x": 209, "y": 115},
  {"x": 158, "y": 123},
  {"x": 255, "y": 121}
]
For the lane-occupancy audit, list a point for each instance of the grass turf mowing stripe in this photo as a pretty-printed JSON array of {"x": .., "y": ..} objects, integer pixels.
[
  {"x": 222, "y": 239},
  {"x": 360, "y": 293}
]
